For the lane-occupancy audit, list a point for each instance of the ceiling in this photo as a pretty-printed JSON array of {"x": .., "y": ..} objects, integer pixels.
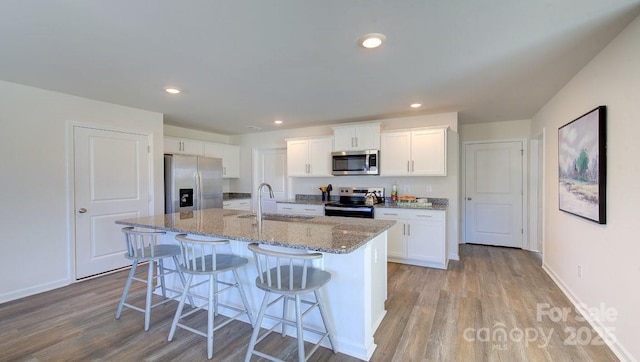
[{"x": 243, "y": 64}]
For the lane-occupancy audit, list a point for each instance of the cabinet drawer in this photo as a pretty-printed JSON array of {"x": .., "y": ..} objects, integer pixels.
[{"x": 287, "y": 208}]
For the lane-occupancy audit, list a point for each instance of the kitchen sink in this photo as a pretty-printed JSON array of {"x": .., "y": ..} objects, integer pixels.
[{"x": 279, "y": 217}]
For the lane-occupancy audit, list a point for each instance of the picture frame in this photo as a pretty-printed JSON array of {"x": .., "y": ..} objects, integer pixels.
[{"x": 582, "y": 166}]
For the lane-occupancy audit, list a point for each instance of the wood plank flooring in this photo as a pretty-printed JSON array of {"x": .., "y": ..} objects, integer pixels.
[{"x": 433, "y": 315}]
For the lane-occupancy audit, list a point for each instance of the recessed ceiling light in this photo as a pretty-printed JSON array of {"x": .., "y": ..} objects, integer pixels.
[
  {"x": 415, "y": 105},
  {"x": 172, "y": 90},
  {"x": 372, "y": 40},
  {"x": 277, "y": 121}
]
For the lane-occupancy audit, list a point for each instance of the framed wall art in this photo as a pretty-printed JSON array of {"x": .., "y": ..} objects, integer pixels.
[{"x": 582, "y": 166}]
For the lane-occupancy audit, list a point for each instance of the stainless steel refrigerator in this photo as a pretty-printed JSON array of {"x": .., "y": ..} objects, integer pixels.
[{"x": 192, "y": 183}]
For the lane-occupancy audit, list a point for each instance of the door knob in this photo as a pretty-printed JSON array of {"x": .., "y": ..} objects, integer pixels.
[
  {"x": 82, "y": 210},
  {"x": 468, "y": 198}
]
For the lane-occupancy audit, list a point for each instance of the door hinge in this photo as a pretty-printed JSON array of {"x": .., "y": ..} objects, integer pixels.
[
  {"x": 148, "y": 149},
  {"x": 521, "y": 231},
  {"x": 521, "y": 152}
]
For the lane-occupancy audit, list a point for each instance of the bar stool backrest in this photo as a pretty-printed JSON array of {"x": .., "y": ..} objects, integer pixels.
[
  {"x": 199, "y": 255},
  {"x": 141, "y": 244},
  {"x": 280, "y": 271}
]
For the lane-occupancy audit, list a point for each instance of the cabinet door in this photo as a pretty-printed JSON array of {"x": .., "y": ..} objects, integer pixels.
[
  {"x": 396, "y": 247},
  {"x": 367, "y": 137},
  {"x": 191, "y": 147},
  {"x": 344, "y": 138},
  {"x": 396, "y": 243},
  {"x": 297, "y": 157},
  {"x": 212, "y": 149},
  {"x": 172, "y": 145},
  {"x": 238, "y": 204},
  {"x": 183, "y": 146},
  {"x": 230, "y": 161},
  {"x": 395, "y": 153},
  {"x": 426, "y": 241},
  {"x": 302, "y": 209},
  {"x": 320, "y": 156},
  {"x": 428, "y": 152}
]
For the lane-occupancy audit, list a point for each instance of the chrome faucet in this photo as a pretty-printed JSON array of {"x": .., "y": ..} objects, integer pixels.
[{"x": 259, "y": 212}]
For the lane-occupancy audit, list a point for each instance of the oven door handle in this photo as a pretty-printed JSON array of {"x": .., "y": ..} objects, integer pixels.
[{"x": 337, "y": 208}]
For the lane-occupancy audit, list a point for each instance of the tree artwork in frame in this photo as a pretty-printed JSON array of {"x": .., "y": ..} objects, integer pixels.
[{"x": 582, "y": 166}]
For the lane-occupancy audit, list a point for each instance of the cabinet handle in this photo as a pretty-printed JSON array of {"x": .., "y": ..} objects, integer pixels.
[
  {"x": 409, "y": 229},
  {"x": 356, "y": 141},
  {"x": 424, "y": 215},
  {"x": 286, "y": 208},
  {"x": 412, "y": 164},
  {"x": 389, "y": 213},
  {"x": 404, "y": 229},
  {"x": 408, "y": 169},
  {"x": 310, "y": 209}
]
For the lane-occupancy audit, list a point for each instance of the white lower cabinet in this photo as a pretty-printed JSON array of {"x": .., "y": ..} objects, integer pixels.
[
  {"x": 417, "y": 238},
  {"x": 303, "y": 209},
  {"x": 237, "y": 204}
]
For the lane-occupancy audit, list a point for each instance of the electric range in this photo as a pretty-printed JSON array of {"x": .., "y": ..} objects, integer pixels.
[{"x": 352, "y": 202}]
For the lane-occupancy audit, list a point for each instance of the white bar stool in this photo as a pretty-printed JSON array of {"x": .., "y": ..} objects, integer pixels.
[
  {"x": 199, "y": 257},
  {"x": 290, "y": 276},
  {"x": 142, "y": 246}
]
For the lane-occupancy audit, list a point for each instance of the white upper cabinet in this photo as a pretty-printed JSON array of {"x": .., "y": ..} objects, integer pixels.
[
  {"x": 309, "y": 157},
  {"x": 230, "y": 155},
  {"x": 183, "y": 146},
  {"x": 357, "y": 137},
  {"x": 414, "y": 152}
]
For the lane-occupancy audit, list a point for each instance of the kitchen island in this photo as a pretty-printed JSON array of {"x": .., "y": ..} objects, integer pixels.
[{"x": 354, "y": 253}]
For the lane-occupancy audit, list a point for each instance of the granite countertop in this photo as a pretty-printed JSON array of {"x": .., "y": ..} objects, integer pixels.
[
  {"x": 387, "y": 204},
  {"x": 336, "y": 235},
  {"x": 411, "y": 206}
]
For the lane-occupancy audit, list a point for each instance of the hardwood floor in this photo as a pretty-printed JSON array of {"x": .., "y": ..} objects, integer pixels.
[{"x": 433, "y": 315}]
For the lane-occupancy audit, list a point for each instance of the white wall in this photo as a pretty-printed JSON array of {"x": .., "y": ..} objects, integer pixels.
[
  {"x": 609, "y": 254},
  {"x": 443, "y": 187},
  {"x": 496, "y": 130},
  {"x": 34, "y": 188}
]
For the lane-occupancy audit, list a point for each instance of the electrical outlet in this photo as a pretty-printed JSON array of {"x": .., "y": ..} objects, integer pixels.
[
  {"x": 579, "y": 271},
  {"x": 429, "y": 188}
]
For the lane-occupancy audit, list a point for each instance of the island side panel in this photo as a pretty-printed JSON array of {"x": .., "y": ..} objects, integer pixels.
[
  {"x": 358, "y": 291},
  {"x": 354, "y": 297}
]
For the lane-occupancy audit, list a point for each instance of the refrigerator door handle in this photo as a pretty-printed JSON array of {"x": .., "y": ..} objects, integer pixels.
[{"x": 198, "y": 196}]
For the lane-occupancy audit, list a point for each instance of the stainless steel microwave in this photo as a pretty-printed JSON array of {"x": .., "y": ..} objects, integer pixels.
[{"x": 364, "y": 162}]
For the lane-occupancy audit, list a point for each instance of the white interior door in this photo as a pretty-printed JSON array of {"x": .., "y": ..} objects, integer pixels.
[
  {"x": 112, "y": 182},
  {"x": 272, "y": 169},
  {"x": 494, "y": 193}
]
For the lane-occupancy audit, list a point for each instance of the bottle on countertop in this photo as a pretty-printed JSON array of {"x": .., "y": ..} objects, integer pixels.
[{"x": 394, "y": 192}]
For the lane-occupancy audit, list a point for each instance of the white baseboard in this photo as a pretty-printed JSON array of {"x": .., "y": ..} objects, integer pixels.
[
  {"x": 618, "y": 349},
  {"x": 36, "y": 289}
]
